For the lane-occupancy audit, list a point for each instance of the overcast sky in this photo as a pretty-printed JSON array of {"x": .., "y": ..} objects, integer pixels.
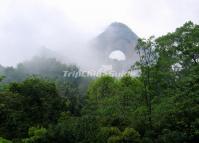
[{"x": 27, "y": 25}]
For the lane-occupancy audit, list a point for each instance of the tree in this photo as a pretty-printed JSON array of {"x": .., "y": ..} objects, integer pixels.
[
  {"x": 107, "y": 133},
  {"x": 2, "y": 140},
  {"x": 36, "y": 135},
  {"x": 1, "y": 78},
  {"x": 33, "y": 102},
  {"x": 13, "y": 121},
  {"x": 42, "y": 103},
  {"x": 102, "y": 96},
  {"x": 178, "y": 52},
  {"x": 130, "y": 94},
  {"x": 1, "y": 85},
  {"x": 148, "y": 58}
]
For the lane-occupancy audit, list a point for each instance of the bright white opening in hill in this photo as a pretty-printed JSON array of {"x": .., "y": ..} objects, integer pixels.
[{"x": 117, "y": 55}]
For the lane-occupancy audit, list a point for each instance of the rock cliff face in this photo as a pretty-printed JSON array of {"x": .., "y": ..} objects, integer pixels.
[{"x": 117, "y": 37}]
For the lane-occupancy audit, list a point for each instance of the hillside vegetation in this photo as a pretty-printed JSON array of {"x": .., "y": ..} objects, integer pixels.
[{"x": 39, "y": 105}]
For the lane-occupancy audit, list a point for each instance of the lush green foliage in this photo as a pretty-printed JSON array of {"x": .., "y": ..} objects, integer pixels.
[
  {"x": 159, "y": 106},
  {"x": 2, "y": 140}
]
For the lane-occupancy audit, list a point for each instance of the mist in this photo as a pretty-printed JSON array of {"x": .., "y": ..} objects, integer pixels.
[
  {"x": 28, "y": 28},
  {"x": 67, "y": 27}
]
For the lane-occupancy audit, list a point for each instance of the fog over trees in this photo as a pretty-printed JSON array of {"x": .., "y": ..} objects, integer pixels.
[{"x": 92, "y": 72}]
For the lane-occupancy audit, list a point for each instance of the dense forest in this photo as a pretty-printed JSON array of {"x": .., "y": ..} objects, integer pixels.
[{"x": 161, "y": 105}]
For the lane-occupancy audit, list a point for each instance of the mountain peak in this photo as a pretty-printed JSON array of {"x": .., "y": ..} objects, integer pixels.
[
  {"x": 119, "y": 25},
  {"x": 116, "y": 37},
  {"x": 118, "y": 31}
]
